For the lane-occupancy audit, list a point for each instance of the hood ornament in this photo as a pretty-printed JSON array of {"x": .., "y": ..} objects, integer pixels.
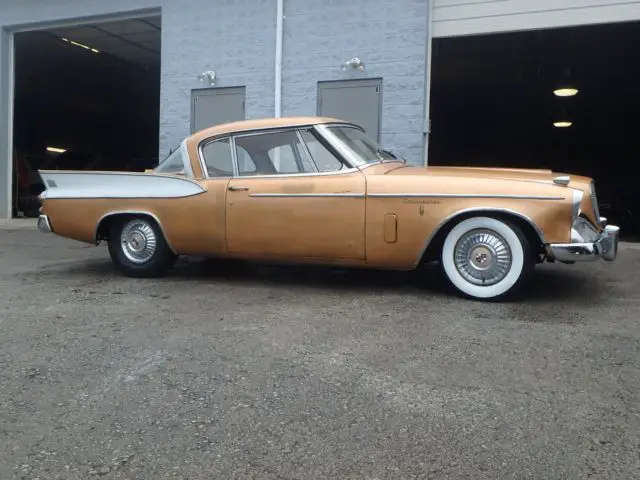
[{"x": 562, "y": 180}]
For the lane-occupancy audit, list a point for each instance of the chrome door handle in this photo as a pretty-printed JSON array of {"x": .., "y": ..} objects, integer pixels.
[{"x": 235, "y": 189}]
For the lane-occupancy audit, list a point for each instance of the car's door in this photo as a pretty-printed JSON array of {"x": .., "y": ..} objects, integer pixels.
[
  {"x": 204, "y": 216},
  {"x": 285, "y": 202}
]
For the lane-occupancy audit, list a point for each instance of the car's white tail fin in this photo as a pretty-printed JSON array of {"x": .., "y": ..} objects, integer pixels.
[{"x": 80, "y": 184}]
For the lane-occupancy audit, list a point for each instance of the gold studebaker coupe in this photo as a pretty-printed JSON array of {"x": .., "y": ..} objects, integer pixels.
[{"x": 319, "y": 190}]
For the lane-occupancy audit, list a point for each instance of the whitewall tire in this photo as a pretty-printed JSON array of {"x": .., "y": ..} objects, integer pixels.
[{"x": 486, "y": 258}]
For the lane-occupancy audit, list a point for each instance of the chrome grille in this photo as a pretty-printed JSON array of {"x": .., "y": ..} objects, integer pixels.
[{"x": 594, "y": 202}]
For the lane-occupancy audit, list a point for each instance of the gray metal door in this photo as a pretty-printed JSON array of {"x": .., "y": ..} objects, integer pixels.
[
  {"x": 213, "y": 106},
  {"x": 357, "y": 101}
]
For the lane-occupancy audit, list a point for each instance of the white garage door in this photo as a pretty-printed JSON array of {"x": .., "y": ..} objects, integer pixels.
[{"x": 469, "y": 17}]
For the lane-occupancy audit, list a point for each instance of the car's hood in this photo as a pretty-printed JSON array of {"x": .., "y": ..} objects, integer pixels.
[{"x": 521, "y": 174}]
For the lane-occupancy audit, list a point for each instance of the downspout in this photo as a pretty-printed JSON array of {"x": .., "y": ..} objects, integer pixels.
[
  {"x": 278, "y": 72},
  {"x": 427, "y": 81}
]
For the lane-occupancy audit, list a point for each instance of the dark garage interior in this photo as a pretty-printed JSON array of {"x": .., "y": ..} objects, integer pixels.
[
  {"x": 493, "y": 104},
  {"x": 85, "y": 97}
]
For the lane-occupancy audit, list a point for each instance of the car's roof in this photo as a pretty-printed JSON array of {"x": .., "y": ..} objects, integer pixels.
[{"x": 281, "y": 122}]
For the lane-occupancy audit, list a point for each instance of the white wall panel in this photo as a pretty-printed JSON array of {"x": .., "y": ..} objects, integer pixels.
[{"x": 469, "y": 17}]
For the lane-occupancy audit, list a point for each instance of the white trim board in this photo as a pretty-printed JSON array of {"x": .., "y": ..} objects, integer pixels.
[{"x": 472, "y": 17}]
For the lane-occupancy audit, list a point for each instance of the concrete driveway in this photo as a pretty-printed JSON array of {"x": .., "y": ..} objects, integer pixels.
[{"x": 241, "y": 371}]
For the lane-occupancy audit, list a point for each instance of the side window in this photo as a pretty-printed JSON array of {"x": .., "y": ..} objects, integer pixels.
[
  {"x": 271, "y": 154},
  {"x": 217, "y": 158},
  {"x": 245, "y": 163},
  {"x": 173, "y": 163},
  {"x": 321, "y": 155}
]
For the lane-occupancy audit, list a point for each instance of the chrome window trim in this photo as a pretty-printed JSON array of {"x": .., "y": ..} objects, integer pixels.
[
  {"x": 203, "y": 164},
  {"x": 307, "y": 152},
  {"x": 345, "y": 153},
  {"x": 477, "y": 209},
  {"x": 132, "y": 212},
  {"x": 262, "y": 131},
  {"x": 276, "y": 175},
  {"x": 463, "y": 195}
]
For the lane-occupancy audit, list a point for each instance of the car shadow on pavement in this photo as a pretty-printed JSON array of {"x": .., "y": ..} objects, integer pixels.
[
  {"x": 547, "y": 283},
  {"x": 306, "y": 276}
]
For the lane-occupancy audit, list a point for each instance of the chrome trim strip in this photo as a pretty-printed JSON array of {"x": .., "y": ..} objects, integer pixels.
[
  {"x": 117, "y": 173},
  {"x": 132, "y": 212},
  {"x": 476, "y": 210},
  {"x": 404, "y": 195},
  {"x": 297, "y": 195},
  {"x": 594, "y": 199},
  {"x": 463, "y": 195},
  {"x": 576, "y": 200}
]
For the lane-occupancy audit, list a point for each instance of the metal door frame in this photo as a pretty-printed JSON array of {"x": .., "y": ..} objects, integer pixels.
[
  {"x": 214, "y": 91},
  {"x": 352, "y": 83}
]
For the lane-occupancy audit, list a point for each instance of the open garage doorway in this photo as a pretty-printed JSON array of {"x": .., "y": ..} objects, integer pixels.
[
  {"x": 493, "y": 104},
  {"x": 85, "y": 97}
]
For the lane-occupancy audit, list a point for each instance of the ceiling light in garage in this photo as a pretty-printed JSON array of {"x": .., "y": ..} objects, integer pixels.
[
  {"x": 565, "y": 92},
  {"x": 86, "y": 47},
  {"x": 562, "y": 124},
  {"x": 56, "y": 150}
]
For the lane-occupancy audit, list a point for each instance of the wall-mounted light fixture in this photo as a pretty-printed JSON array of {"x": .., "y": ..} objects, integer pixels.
[
  {"x": 208, "y": 77},
  {"x": 355, "y": 62}
]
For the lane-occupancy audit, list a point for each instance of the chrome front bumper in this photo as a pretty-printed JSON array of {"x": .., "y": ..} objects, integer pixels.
[
  {"x": 43, "y": 224},
  {"x": 605, "y": 247}
]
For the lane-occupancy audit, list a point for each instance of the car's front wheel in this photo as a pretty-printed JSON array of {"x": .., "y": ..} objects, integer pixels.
[
  {"x": 138, "y": 248},
  {"x": 486, "y": 258}
]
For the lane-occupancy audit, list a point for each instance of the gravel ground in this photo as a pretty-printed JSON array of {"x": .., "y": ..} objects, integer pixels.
[{"x": 243, "y": 371}]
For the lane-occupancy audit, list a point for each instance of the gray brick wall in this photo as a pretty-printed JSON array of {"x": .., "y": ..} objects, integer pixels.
[
  {"x": 387, "y": 35},
  {"x": 236, "y": 38}
]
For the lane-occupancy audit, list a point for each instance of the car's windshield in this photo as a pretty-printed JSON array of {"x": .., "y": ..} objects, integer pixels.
[{"x": 363, "y": 148}]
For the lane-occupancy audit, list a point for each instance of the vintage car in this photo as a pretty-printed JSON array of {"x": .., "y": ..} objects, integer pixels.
[{"x": 319, "y": 190}]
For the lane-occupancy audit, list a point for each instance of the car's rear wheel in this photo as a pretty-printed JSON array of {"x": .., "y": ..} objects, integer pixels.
[
  {"x": 138, "y": 248},
  {"x": 486, "y": 258}
]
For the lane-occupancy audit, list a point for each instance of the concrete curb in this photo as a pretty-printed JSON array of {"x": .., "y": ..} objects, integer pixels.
[{"x": 19, "y": 224}]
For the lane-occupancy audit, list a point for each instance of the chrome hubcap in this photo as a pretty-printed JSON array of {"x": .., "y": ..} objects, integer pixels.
[
  {"x": 138, "y": 241},
  {"x": 482, "y": 257}
]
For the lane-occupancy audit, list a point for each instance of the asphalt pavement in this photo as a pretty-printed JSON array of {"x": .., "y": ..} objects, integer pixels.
[{"x": 233, "y": 370}]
